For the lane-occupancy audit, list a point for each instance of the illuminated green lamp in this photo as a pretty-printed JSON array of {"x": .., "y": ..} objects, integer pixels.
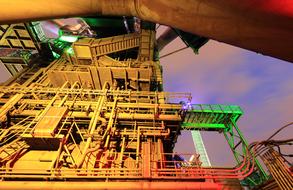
[
  {"x": 70, "y": 39},
  {"x": 70, "y": 51},
  {"x": 56, "y": 55}
]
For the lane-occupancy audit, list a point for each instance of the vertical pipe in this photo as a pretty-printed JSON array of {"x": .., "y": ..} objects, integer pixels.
[
  {"x": 92, "y": 127},
  {"x": 110, "y": 122},
  {"x": 137, "y": 146},
  {"x": 66, "y": 96},
  {"x": 122, "y": 150}
]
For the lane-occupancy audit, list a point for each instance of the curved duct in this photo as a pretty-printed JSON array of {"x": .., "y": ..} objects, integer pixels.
[{"x": 263, "y": 26}]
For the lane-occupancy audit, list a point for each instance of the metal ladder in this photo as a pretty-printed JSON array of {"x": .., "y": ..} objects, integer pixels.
[{"x": 200, "y": 148}]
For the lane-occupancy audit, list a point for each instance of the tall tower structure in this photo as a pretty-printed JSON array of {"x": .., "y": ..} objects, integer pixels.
[
  {"x": 97, "y": 117},
  {"x": 97, "y": 111}
]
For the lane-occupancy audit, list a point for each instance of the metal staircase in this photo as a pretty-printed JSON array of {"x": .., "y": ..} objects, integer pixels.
[{"x": 200, "y": 148}]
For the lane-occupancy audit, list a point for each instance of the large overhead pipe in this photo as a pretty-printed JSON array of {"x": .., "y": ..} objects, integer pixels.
[{"x": 264, "y": 26}]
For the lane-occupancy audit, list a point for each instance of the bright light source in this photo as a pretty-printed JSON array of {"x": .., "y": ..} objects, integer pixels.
[
  {"x": 70, "y": 51},
  {"x": 70, "y": 39},
  {"x": 55, "y": 55}
]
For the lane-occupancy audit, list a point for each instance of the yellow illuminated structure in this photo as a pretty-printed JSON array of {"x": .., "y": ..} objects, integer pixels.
[{"x": 97, "y": 118}]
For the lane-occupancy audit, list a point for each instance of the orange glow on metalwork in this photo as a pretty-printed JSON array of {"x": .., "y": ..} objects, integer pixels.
[{"x": 279, "y": 7}]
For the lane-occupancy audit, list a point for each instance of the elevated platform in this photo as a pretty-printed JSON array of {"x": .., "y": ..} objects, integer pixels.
[{"x": 210, "y": 116}]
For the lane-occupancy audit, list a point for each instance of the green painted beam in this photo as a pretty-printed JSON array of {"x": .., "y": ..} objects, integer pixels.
[
  {"x": 211, "y": 116},
  {"x": 197, "y": 126},
  {"x": 216, "y": 117},
  {"x": 217, "y": 108}
]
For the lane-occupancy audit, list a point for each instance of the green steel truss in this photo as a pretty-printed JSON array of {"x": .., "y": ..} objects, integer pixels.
[
  {"x": 212, "y": 117},
  {"x": 223, "y": 118}
]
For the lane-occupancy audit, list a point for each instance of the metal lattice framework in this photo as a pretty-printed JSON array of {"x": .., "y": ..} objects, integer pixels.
[
  {"x": 88, "y": 116},
  {"x": 223, "y": 118}
]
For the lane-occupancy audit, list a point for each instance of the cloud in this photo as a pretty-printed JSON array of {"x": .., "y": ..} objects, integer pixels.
[
  {"x": 221, "y": 73},
  {"x": 212, "y": 72}
]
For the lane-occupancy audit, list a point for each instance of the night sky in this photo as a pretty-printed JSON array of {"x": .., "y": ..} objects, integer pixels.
[{"x": 224, "y": 74}]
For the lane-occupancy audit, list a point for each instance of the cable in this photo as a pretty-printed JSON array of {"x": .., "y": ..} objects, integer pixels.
[
  {"x": 176, "y": 51},
  {"x": 262, "y": 146},
  {"x": 270, "y": 143},
  {"x": 287, "y": 125}
]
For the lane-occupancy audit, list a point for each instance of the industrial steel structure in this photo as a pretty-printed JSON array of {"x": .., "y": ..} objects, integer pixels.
[{"x": 89, "y": 111}]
